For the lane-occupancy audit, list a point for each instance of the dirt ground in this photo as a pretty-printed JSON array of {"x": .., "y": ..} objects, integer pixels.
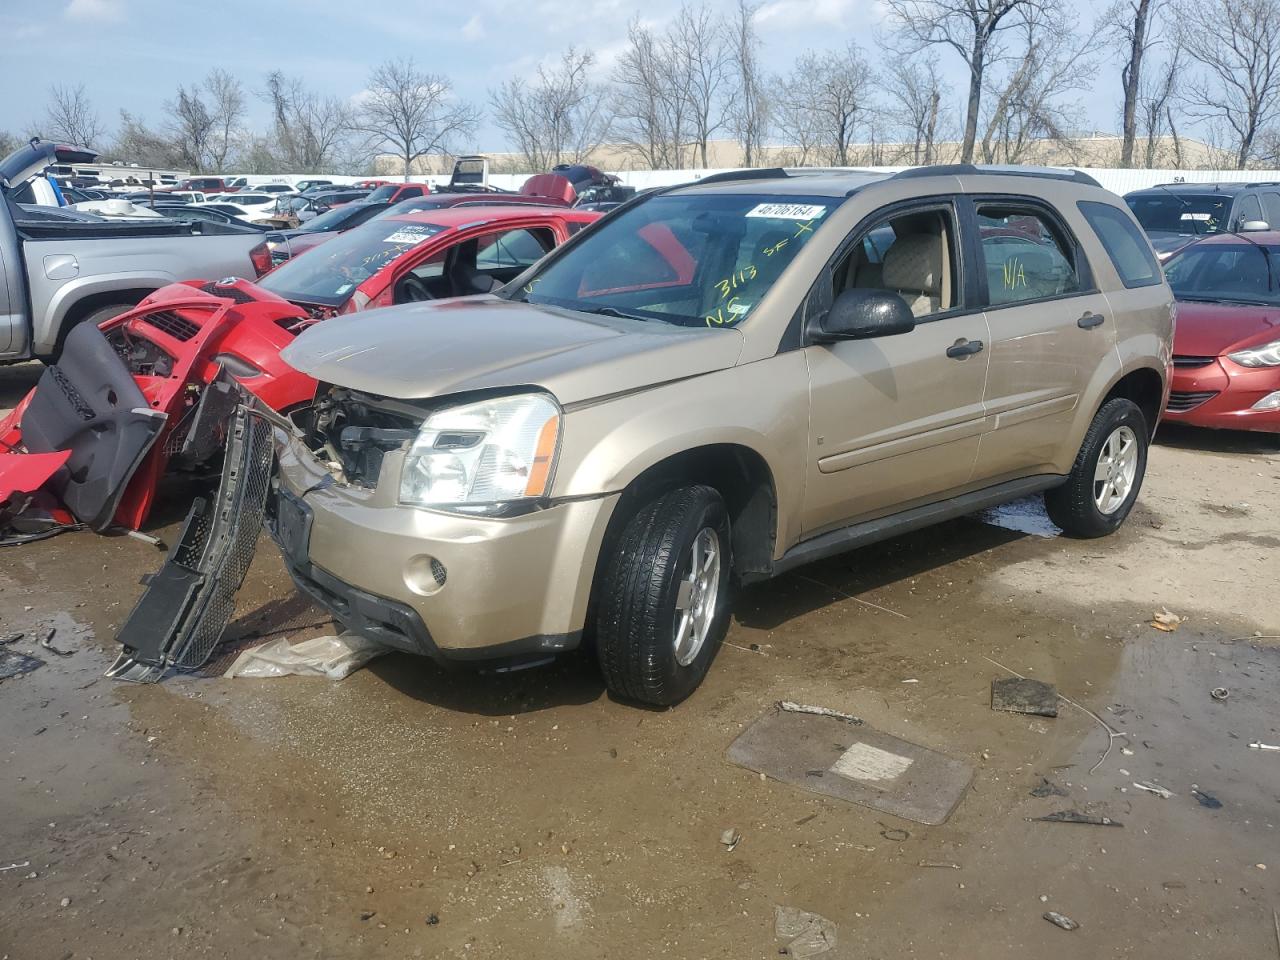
[{"x": 410, "y": 812}]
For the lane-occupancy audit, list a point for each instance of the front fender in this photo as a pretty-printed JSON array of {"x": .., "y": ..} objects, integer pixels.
[
  {"x": 48, "y": 324},
  {"x": 761, "y": 406}
]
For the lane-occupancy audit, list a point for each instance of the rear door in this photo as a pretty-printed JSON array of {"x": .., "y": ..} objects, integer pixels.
[
  {"x": 1051, "y": 328},
  {"x": 896, "y": 420}
]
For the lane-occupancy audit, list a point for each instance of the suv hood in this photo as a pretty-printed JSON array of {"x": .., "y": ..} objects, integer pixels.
[
  {"x": 1214, "y": 329},
  {"x": 480, "y": 343}
]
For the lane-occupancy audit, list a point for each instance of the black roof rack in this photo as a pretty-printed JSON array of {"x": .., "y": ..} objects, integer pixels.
[
  {"x": 760, "y": 173},
  {"x": 1264, "y": 183},
  {"x": 971, "y": 169}
]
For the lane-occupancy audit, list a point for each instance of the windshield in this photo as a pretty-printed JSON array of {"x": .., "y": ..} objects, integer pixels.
[
  {"x": 384, "y": 192},
  {"x": 1225, "y": 273},
  {"x": 684, "y": 259},
  {"x": 328, "y": 275},
  {"x": 334, "y": 219},
  {"x": 1193, "y": 214}
]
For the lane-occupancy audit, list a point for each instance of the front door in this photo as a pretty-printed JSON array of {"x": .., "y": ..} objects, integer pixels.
[{"x": 895, "y": 420}]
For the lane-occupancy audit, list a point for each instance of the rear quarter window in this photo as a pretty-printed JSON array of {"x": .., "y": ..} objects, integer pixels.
[{"x": 1126, "y": 245}]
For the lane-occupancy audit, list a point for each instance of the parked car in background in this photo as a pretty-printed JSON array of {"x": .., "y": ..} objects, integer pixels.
[
  {"x": 289, "y": 243},
  {"x": 302, "y": 186},
  {"x": 1175, "y": 214},
  {"x": 254, "y": 207},
  {"x": 292, "y": 210},
  {"x": 394, "y": 192},
  {"x": 371, "y": 184},
  {"x": 205, "y": 185},
  {"x": 59, "y": 268},
  {"x": 273, "y": 188},
  {"x": 202, "y": 212},
  {"x": 715, "y": 386},
  {"x": 1226, "y": 349}
]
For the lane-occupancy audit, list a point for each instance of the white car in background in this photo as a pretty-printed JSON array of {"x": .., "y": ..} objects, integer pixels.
[
  {"x": 273, "y": 188},
  {"x": 254, "y": 207}
]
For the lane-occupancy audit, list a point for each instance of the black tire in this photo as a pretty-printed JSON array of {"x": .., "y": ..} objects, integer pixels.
[
  {"x": 95, "y": 317},
  {"x": 1074, "y": 505},
  {"x": 637, "y": 620}
]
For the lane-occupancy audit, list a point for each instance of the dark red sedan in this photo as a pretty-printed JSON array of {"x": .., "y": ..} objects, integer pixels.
[{"x": 1226, "y": 344}]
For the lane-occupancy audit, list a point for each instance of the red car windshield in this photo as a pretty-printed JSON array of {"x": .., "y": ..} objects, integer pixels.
[
  {"x": 329, "y": 275},
  {"x": 1225, "y": 273}
]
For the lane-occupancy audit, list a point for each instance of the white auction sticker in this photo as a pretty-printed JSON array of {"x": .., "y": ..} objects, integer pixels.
[
  {"x": 788, "y": 211},
  {"x": 412, "y": 234}
]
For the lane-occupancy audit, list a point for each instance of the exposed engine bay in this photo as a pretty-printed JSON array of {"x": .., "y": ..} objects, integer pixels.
[{"x": 351, "y": 432}]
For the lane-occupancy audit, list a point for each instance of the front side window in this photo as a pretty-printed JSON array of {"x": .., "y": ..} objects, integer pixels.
[
  {"x": 1024, "y": 255},
  {"x": 695, "y": 259},
  {"x": 1129, "y": 250},
  {"x": 1225, "y": 273},
  {"x": 911, "y": 254},
  {"x": 1248, "y": 210},
  {"x": 512, "y": 248}
]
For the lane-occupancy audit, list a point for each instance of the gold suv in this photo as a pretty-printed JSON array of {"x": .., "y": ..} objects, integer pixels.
[{"x": 715, "y": 384}]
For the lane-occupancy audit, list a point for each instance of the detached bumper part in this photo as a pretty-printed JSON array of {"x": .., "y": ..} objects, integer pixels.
[{"x": 187, "y": 605}]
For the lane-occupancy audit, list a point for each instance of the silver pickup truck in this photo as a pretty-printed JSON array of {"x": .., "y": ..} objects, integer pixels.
[{"x": 59, "y": 267}]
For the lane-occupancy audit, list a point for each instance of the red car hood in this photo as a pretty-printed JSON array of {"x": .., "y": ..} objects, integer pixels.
[{"x": 1214, "y": 329}]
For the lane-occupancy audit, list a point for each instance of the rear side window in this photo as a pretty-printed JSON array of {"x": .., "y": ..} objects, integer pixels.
[
  {"x": 1025, "y": 256},
  {"x": 1128, "y": 249}
]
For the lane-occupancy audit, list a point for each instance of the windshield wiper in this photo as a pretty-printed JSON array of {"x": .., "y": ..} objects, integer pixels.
[{"x": 615, "y": 312}]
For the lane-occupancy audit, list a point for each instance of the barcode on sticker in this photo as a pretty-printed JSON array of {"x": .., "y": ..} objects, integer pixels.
[{"x": 788, "y": 211}]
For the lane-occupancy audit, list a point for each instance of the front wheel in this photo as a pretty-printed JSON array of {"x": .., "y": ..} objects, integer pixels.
[
  {"x": 1107, "y": 475},
  {"x": 664, "y": 598}
]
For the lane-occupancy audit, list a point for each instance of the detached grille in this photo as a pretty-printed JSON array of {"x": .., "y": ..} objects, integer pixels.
[
  {"x": 1193, "y": 361},
  {"x": 1183, "y": 402},
  {"x": 175, "y": 326}
]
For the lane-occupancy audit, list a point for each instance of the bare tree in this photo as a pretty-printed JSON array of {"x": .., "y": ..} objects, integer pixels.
[
  {"x": 824, "y": 100},
  {"x": 412, "y": 113},
  {"x": 1236, "y": 46},
  {"x": 8, "y": 143},
  {"x": 651, "y": 105},
  {"x": 698, "y": 40},
  {"x": 915, "y": 95},
  {"x": 309, "y": 130},
  {"x": 137, "y": 143},
  {"x": 70, "y": 116},
  {"x": 204, "y": 119},
  {"x": 1027, "y": 106},
  {"x": 971, "y": 28},
  {"x": 1155, "y": 113},
  {"x": 558, "y": 118},
  {"x": 748, "y": 110},
  {"x": 1131, "y": 26}
]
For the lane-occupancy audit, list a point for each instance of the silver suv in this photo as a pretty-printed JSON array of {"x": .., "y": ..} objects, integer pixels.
[{"x": 718, "y": 383}]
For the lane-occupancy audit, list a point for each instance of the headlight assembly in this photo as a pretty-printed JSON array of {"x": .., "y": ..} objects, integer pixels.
[
  {"x": 1267, "y": 355},
  {"x": 483, "y": 455}
]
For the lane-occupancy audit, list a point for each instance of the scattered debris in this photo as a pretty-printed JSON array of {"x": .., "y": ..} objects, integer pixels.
[
  {"x": 11, "y": 638},
  {"x": 1047, "y": 788},
  {"x": 66, "y": 902},
  {"x": 896, "y": 834},
  {"x": 16, "y": 664},
  {"x": 432, "y": 920},
  {"x": 47, "y": 643},
  {"x": 940, "y": 864},
  {"x": 788, "y": 707},
  {"x": 368, "y": 914},
  {"x": 1206, "y": 799},
  {"x": 807, "y": 934},
  {"x": 730, "y": 838},
  {"x": 1061, "y": 920},
  {"x": 1158, "y": 790},
  {"x": 1219, "y": 693},
  {"x": 803, "y": 820},
  {"x": 332, "y": 657},
  {"x": 1259, "y": 745},
  {"x": 1165, "y": 620},
  {"x": 912, "y": 680},
  {"x": 1071, "y": 816},
  {"x": 15, "y": 866},
  {"x": 1020, "y": 695}
]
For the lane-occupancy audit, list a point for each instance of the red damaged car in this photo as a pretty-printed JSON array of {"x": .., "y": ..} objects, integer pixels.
[
  {"x": 1227, "y": 342},
  {"x": 151, "y": 390}
]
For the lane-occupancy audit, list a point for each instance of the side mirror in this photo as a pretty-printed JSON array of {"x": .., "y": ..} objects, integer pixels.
[
  {"x": 1254, "y": 226},
  {"x": 860, "y": 314}
]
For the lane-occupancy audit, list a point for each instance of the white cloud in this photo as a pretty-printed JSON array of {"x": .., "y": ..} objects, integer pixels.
[
  {"x": 786, "y": 14},
  {"x": 473, "y": 29},
  {"x": 94, "y": 10}
]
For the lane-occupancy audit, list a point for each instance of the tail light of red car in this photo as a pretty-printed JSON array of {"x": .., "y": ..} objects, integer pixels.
[{"x": 260, "y": 257}]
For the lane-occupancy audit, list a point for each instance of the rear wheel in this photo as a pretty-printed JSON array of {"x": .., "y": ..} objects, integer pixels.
[
  {"x": 1107, "y": 475},
  {"x": 101, "y": 315},
  {"x": 664, "y": 597}
]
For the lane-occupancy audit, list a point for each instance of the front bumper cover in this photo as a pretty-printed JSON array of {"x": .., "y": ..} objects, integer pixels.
[{"x": 1221, "y": 394}]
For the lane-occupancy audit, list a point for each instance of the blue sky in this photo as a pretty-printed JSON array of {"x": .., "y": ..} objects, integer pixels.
[{"x": 133, "y": 53}]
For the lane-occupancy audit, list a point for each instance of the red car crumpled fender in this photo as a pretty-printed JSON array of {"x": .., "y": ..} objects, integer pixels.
[{"x": 175, "y": 344}]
